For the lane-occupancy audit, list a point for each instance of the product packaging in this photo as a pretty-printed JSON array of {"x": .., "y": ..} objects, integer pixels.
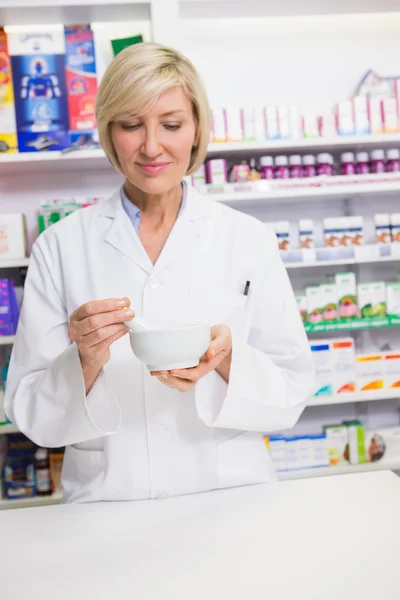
[
  {"x": 216, "y": 170},
  {"x": 249, "y": 124},
  {"x": 389, "y": 115},
  {"x": 321, "y": 353},
  {"x": 343, "y": 362},
  {"x": 310, "y": 126},
  {"x": 382, "y": 229},
  {"x": 240, "y": 173},
  {"x": 234, "y": 124},
  {"x": 199, "y": 177},
  {"x": 337, "y": 441},
  {"x": 56, "y": 458},
  {"x": 329, "y": 295},
  {"x": 295, "y": 122},
  {"x": 19, "y": 468},
  {"x": 369, "y": 372},
  {"x": 343, "y": 225},
  {"x": 344, "y": 118},
  {"x": 306, "y": 233},
  {"x": 356, "y": 230},
  {"x": 38, "y": 66},
  {"x": 375, "y": 115},
  {"x": 383, "y": 445},
  {"x": 347, "y": 295},
  {"x": 393, "y": 298},
  {"x": 395, "y": 228},
  {"x": 356, "y": 437},
  {"x": 319, "y": 451},
  {"x": 52, "y": 211},
  {"x": 9, "y": 309},
  {"x": 298, "y": 453},
  {"x": 282, "y": 232},
  {"x": 12, "y": 236},
  {"x": 80, "y": 66},
  {"x": 315, "y": 304},
  {"x": 360, "y": 115},
  {"x": 8, "y": 128},
  {"x": 218, "y": 119},
  {"x": 372, "y": 299},
  {"x": 301, "y": 300},
  {"x": 284, "y": 122},
  {"x": 391, "y": 370},
  {"x": 271, "y": 123},
  {"x": 277, "y": 448},
  {"x": 327, "y": 125}
]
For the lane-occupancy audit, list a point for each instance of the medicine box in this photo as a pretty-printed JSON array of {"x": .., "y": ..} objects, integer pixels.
[
  {"x": 356, "y": 436},
  {"x": 277, "y": 449},
  {"x": 383, "y": 445},
  {"x": 372, "y": 299},
  {"x": 337, "y": 441},
  {"x": 324, "y": 375},
  {"x": 301, "y": 300},
  {"x": 369, "y": 372},
  {"x": 329, "y": 301},
  {"x": 391, "y": 370},
  {"x": 347, "y": 295},
  {"x": 315, "y": 302},
  {"x": 12, "y": 236},
  {"x": 218, "y": 119},
  {"x": 271, "y": 123},
  {"x": 343, "y": 362},
  {"x": 234, "y": 124},
  {"x": 393, "y": 298}
]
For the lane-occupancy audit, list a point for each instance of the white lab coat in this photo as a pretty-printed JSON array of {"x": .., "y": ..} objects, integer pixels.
[{"x": 133, "y": 437}]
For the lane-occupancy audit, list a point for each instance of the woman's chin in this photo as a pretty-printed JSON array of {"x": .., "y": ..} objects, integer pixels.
[{"x": 154, "y": 185}]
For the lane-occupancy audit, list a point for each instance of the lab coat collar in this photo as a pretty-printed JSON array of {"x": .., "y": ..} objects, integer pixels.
[{"x": 189, "y": 226}]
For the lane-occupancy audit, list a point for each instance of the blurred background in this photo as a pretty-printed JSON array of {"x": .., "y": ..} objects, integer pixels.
[{"x": 305, "y": 101}]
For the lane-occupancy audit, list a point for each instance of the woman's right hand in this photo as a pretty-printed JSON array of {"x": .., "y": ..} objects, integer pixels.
[{"x": 94, "y": 326}]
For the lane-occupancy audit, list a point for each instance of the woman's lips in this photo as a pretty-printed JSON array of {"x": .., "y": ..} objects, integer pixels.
[{"x": 153, "y": 168}]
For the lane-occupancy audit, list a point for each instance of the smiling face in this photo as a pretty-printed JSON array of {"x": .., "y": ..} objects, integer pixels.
[{"x": 154, "y": 149}]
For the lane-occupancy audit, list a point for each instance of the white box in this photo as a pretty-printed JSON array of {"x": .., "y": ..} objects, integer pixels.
[
  {"x": 343, "y": 363},
  {"x": 284, "y": 123},
  {"x": 393, "y": 298},
  {"x": 382, "y": 229},
  {"x": 337, "y": 440},
  {"x": 271, "y": 123},
  {"x": 395, "y": 228},
  {"x": 369, "y": 372},
  {"x": 319, "y": 451},
  {"x": 306, "y": 233},
  {"x": 344, "y": 118},
  {"x": 375, "y": 115},
  {"x": 12, "y": 236},
  {"x": 372, "y": 299},
  {"x": 315, "y": 303},
  {"x": 389, "y": 115},
  {"x": 249, "y": 124},
  {"x": 321, "y": 353},
  {"x": 391, "y": 370},
  {"x": 295, "y": 122},
  {"x": 219, "y": 124},
  {"x": 277, "y": 450},
  {"x": 360, "y": 115},
  {"x": 234, "y": 124}
]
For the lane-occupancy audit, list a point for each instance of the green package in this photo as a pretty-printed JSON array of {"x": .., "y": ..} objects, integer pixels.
[
  {"x": 120, "y": 44},
  {"x": 356, "y": 436}
]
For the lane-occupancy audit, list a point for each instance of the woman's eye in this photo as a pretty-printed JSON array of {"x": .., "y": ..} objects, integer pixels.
[
  {"x": 172, "y": 126},
  {"x": 130, "y": 126}
]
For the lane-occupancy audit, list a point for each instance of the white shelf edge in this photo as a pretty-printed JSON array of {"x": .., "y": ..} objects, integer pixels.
[
  {"x": 320, "y": 142},
  {"x": 356, "y": 189},
  {"x": 51, "y": 156},
  {"x": 7, "y": 340},
  {"x": 8, "y": 428},
  {"x": 328, "y": 471},
  {"x": 56, "y": 498},
  {"x": 349, "y": 398},
  {"x": 14, "y": 262},
  {"x": 343, "y": 261}
]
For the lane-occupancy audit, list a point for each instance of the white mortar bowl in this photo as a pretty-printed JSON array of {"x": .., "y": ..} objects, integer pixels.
[{"x": 168, "y": 349}]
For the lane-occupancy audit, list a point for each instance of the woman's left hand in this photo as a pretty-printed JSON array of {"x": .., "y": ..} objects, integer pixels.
[{"x": 218, "y": 351}]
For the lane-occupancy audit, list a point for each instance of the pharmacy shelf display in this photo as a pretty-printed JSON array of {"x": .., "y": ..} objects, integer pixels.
[
  {"x": 95, "y": 159},
  {"x": 31, "y": 502},
  {"x": 327, "y": 471},
  {"x": 8, "y": 428},
  {"x": 350, "y": 397},
  {"x": 353, "y": 325},
  {"x": 7, "y": 340}
]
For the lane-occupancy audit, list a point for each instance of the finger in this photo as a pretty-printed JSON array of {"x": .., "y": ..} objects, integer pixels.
[
  {"x": 99, "y": 306},
  {"x": 102, "y": 335},
  {"x": 195, "y": 373},
  {"x": 177, "y": 384},
  {"x": 95, "y": 322}
]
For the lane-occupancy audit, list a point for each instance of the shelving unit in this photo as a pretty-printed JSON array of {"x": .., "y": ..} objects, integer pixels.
[
  {"x": 14, "y": 263},
  {"x": 31, "y": 502},
  {"x": 351, "y": 397},
  {"x": 7, "y": 340},
  {"x": 328, "y": 471},
  {"x": 356, "y": 325},
  {"x": 8, "y": 428}
]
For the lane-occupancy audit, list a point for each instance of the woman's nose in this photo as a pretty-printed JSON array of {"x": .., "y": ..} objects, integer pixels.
[{"x": 151, "y": 144}]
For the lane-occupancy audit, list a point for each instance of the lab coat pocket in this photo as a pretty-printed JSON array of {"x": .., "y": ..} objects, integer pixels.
[
  {"x": 244, "y": 460},
  {"x": 83, "y": 473},
  {"x": 222, "y": 307}
]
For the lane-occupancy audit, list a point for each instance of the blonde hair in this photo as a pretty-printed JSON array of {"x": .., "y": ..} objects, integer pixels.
[{"x": 133, "y": 82}]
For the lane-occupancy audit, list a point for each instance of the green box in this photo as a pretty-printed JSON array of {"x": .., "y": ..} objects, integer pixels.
[
  {"x": 121, "y": 43},
  {"x": 356, "y": 436},
  {"x": 372, "y": 299}
]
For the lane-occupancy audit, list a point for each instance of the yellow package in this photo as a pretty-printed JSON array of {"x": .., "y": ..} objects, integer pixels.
[
  {"x": 8, "y": 136},
  {"x": 369, "y": 372}
]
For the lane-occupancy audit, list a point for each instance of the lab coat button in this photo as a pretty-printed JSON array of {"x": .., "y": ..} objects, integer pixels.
[{"x": 154, "y": 284}]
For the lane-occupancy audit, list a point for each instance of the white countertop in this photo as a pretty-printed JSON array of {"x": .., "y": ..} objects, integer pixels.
[{"x": 334, "y": 538}]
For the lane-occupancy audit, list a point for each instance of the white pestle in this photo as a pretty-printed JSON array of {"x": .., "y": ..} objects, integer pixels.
[{"x": 138, "y": 324}]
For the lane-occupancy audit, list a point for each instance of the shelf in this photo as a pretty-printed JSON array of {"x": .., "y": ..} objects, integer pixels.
[
  {"x": 327, "y": 471},
  {"x": 315, "y": 193},
  {"x": 338, "y": 262},
  {"x": 357, "y": 324},
  {"x": 334, "y": 143},
  {"x": 8, "y": 428},
  {"x": 7, "y": 340},
  {"x": 34, "y": 162},
  {"x": 14, "y": 263},
  {"x": 352, "y": 255},
  {"x": 31, "y": 502},
  {"x": 349, "y": 398}
]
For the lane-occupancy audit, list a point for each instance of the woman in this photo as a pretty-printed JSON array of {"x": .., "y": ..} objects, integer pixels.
[{"x": 159, "y": 248}]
